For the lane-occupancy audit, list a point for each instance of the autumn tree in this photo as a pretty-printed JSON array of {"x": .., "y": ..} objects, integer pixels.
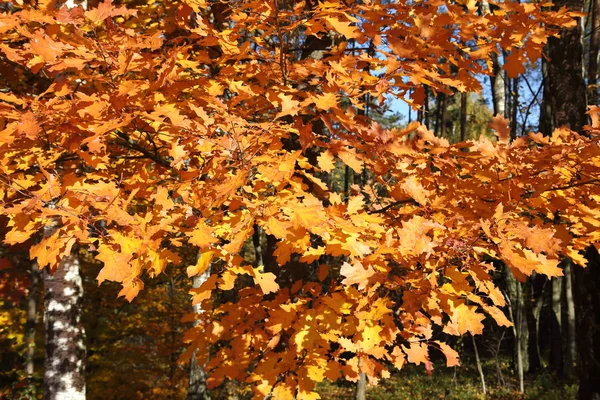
[{"x": 137, "y": 134}]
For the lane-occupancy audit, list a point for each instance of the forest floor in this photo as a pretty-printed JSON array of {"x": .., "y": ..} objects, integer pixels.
[{"x": 460, "y": 383}]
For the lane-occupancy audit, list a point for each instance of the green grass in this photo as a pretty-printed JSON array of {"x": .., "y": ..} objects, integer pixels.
[{"x": 461, "y": 383}]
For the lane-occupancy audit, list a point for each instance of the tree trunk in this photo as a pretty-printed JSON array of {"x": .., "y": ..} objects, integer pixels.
[
  {"x": 592, "y": 71},
  {"x": 64, "y": 376},
  {"x": 361, "y": 387},
  {"x": 533, "y": 307},
  {"x": 556, "y": 349},
  {"x": 479, "y": 367},
  {"x": 569, "y": 339},
  {"x": 498, "y": 77},
  {"x": 197, "y": 389},
  {"x": 444, "y": 106},
  {"x": 522, "y": 335},
  {"x": 566, "y": 86},
  {"x": 438, "y": 114},
  {"x": 515, "y": 298},
  {"x": 567, "y": 99},
  {"x": 545, "y": 124},
  {"x": 514, "y": 108},
  {"x": 30, "y": 325},
  {"x": 426, "y": 108},
  {"x": 463, "y": 116},
  {"x": 587, "y": 312}
]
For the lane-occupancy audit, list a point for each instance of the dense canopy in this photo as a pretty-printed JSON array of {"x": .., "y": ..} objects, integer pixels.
[{"x": 138, "y": 130}]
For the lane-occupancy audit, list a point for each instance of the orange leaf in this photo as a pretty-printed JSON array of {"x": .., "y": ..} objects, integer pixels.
[
  {"x": 452, "y": 358},
  {"x": 202, "y": 236},
  {"x": 116, "y": 264},
  {"x": 202, "y": 264},
  {"x": 465, "y": 319},
  {"x": 131, "y": 288},
  {"x": 417, "y": 353},
  {"x": 349, "y": 157},
  {"x": 289, "y": 106},
  {"x": 514, "y": 64},
  {"x": 325, "y": 101},
  {"x": 266, "y": 281},
  {"x": 501, "y": 128}
]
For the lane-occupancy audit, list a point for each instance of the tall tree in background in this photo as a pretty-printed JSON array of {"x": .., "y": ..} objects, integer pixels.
[
  {"x": 567, "y": 101},
  {"x": 594, "y": 47}
]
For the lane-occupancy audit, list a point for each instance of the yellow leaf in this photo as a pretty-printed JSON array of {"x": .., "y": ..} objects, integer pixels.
[
  {"x": 326, "y": 161},
  {"x": 289, "y": 106},
  {"x": 282, "y": 392},
  {"x": 266, "y": 281},
  {"x": 370, "y": 338},
  {"x": 202, "y": 236},
  {"x": 356, "y": 247},
  {"x": 415, "y": 190},
  {"x": 498, "y": 315},
  {"x": 343, "y": 27},
  {"x": 355, "y": 204},
  {"x": 325, "y": 101},
  {"x": 465, "y": 319},
  {"x": 356, "y": 274},
  {"x": 350, "y": 158},
  {"x": 202, "y": 264},
  {"x": 316, "y": 370}
]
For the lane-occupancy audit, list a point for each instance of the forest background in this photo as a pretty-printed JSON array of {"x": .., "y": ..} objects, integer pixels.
[{"x": 243, "y": 155}]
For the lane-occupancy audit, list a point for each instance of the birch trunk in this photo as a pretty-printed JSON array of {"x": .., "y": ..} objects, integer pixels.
[
  {"x": 64, "y": 374},
  {"x": 197, "y": 389},
  {"x": 30, "y": 325}
]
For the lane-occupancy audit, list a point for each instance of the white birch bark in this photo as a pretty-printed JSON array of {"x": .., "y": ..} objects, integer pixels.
[{"x": 64, "y": 372}]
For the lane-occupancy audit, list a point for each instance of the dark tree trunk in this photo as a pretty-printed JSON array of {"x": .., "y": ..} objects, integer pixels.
[
  {"x": 426, "y": 107},
  {"x": 567, "y": 99},
  {"x": 444, "y": 106},
  {"x": 592, "y": 71},
  {"x": 570, "y": 347},
  {"x": 533, "y": 307},
  {"x": 587, "y": 312},
  {"x": 564, "y": 80},
  {"x": 463, "y": 116},
  {"x": 556, "y": 329},
  {"x": 514, "y": 108},
  {"x": 545, "y": 124}
]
